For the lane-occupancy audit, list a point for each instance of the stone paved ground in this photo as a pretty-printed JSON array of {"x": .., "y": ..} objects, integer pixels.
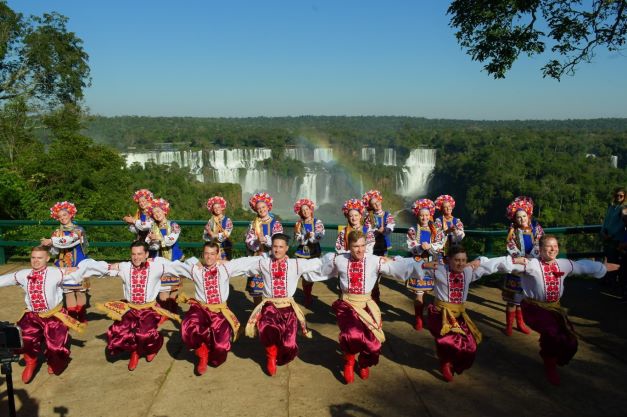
[{"x": 506, "y": 379}]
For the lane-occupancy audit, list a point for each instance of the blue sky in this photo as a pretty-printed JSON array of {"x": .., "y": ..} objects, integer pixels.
[{"x": 290, "y": 58}]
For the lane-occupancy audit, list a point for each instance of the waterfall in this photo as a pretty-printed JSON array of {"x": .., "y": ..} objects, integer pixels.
[
  {"x": 369, "y": 155},
  {"x": 300, "y": 154},
  {"x": 308, "y": 187},
  {"x": 185, "y": 159},
  {"x": 323, "y": 155},
  {"x": 389, "y": 157},
  {"x": 416, "y": 173}
]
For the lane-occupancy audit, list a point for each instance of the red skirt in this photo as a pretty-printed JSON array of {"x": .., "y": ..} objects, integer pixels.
[
  {"x": 458, "y": 349},
  {"x": 137, "y": 331},
  {"x": 203, "y": 326},
  {"x": 51, "y": 331},
  {"x": 355, "y": 337},
  {"x": 557, "y": 338},
  {"x": 278, "y": 327}
]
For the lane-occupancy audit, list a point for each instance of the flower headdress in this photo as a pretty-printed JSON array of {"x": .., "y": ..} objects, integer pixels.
[
  {"x": 423, "y": 204},
  {"x": 444, "y": 198},
  {"x": 352, "y": 204},
  {"x": 523, "y": 203},
  {"x": 304, "y": 202},
  {"x": 216, "y": 200},
  {"x": 369, "y": 195},
  {"x": 62, "y": 205},
  {"x": 265, "y": 197},
  {"x": 147, "y": 194},
  {"x": 163, "y": 204}
]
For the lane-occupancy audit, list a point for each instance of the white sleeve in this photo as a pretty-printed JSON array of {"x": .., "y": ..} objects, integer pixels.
[
  {"x": 489, "y": 266},
  {"x": 588, "y": 267},
  {"x": 402, "y": 268},
  {"x": 243, "y": 266},
  {"x": 89, "y": 268},
  {"x": 170, "y": 239},
  {"x": 328, "y": 269},
  {"x": 175, "y": 268},
  {"x": 66, "y": 241},
  {"x": 8, "y": 279},
  {"x": 143, "y": 226}
]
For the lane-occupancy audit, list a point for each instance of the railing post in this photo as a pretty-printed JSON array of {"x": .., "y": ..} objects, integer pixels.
[
  {"x": 3, "y": 258},
  {"x": 489, "y": 246}
]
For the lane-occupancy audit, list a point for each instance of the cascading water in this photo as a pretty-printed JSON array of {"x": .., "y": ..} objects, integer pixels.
[
  {"x": 324, "y": 181},
  {"x": 414, "y": 179},
  {"x": 369, "y": 155}
]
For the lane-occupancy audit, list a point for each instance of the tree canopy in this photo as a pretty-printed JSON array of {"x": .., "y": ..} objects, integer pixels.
[
  {"x": 496, "y": 32},
  {"x": 40, "y": 60}
]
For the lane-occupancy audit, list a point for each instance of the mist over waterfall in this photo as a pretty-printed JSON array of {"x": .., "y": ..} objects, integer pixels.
[{"x": 323, "y": 179}]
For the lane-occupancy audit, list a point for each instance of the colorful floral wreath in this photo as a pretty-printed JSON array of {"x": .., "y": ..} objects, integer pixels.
[
  {"x": 423, "y": 204},
  {"x": 147, "y": 194},
  {"x": 216, "y": 200},
  {"x": 62, "y": 205},
  {"x": 520, "y": 203},
  {"x": 352, "y": 204},
  {"x": 163, "y": 204},
  {"x": 265, "y": 197},
  {"x": 444, "y": 198},
  {"x": 369, "y": 195},
  {"x": 304, "y": 202}
]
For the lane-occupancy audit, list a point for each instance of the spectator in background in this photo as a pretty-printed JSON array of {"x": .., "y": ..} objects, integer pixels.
[
  {"x": 622, "y": 250},
  {"x": 613, "y": 231}
]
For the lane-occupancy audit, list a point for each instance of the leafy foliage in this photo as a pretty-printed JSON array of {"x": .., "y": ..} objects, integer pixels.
[{"x": 496, "y": 32}]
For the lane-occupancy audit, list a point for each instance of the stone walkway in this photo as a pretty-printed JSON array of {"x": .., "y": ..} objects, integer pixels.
[{"x": 506, "y": 380}]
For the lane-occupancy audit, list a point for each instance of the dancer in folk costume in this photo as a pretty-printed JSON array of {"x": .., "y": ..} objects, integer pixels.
[
  {"x": 450, "y": 225},
  {"x": 542, "y": 282},
  {"x": 308, "y": 232},
  {"x": 209, "y": 325},
  {"x": 425, "y": 242},
  {"x": 259, "y": 237},
  {"x": 381, "y": 223},
  {"x": 353, "y": 210},
  {"x": 523, "y": 240},
  {"x": 141, "y": 223},
  {"x": 358, "y": 316},
  {"x": 456, "y": 336},
  {"x": 68, "y": 245},
  {"x": 277, "y": 317},
  {"x": 219, "y": 227},
  {"x": 137, "y": 316},
  {"x": 45, "y": 322},
  {"x": 163, "y": 242}
]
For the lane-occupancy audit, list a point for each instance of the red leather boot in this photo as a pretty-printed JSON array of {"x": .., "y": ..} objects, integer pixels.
[
  {"x": 203, "y": 358},
  {"x": 520, "y": 323},
  {"x": 271, "y": 352},
  {"x": 509, "y": 322},
  {"x": 550, "y": 370},
  {"x": 349, "y": 368},
  {"x": 307, "y": 289},
  {"x": 447, "y": 371},
  {"x": 418, "y": 308},
  {"x": 132, "y": 363},
  {"x": 29, "y": 370}
]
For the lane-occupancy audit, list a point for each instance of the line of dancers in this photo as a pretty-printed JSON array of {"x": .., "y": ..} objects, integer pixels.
[{"x": 151, "y": 281}]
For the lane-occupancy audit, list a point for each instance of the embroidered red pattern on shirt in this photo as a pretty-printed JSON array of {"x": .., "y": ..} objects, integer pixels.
[
  {"x": 139, "y": 281},
  {"x": 552, "y": 274},
  {"x": 456, "y": 287},
  {"x": 278, "y": 270},
  {"x": 212, "y": 285},
  {"x": 357, "y": 276},
  {"x": 36, "y": 293}
]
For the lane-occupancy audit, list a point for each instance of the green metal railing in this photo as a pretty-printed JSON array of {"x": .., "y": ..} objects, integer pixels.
[{"x": 485, "y": 242}]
